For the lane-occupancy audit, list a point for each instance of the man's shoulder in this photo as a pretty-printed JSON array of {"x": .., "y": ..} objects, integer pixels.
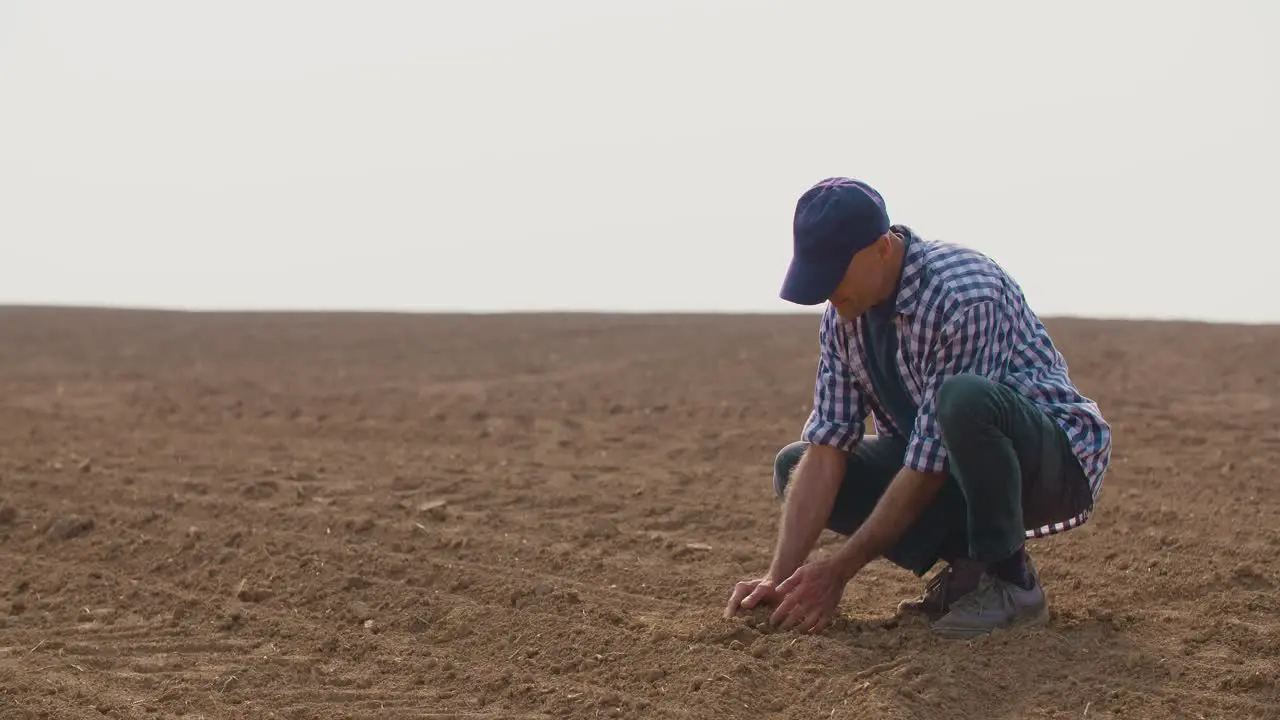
[
  {"x": 961, "y": 270},
  {"x": 947, "y": 278}
]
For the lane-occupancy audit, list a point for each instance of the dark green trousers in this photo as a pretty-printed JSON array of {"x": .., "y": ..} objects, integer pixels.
[{"x": 1010, "y": 468}]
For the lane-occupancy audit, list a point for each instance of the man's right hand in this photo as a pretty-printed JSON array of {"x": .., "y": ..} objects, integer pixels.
[{"x": 750, "y": 593}]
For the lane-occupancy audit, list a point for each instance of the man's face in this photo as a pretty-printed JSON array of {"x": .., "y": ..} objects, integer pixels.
[{"x": 863, "y": 283}]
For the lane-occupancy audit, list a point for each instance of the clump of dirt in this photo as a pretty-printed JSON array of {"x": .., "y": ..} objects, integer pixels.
[{"x": 70, "y": 527}]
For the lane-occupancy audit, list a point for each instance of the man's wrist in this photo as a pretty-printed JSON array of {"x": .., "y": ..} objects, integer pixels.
[
  {"x": 774, "y": 577},
  {"x": 850, "y": 558}
]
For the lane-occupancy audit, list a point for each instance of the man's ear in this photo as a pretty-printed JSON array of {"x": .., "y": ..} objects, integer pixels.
[{"x": 884, "y": 245}]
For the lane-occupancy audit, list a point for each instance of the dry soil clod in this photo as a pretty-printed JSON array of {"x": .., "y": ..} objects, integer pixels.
[{"x": 71, "y": 527}]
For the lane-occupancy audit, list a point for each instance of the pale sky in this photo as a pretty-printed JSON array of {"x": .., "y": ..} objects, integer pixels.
[{"x": 1117, "y": 157}]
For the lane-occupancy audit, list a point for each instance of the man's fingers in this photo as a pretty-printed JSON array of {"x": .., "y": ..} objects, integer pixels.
[
  {"x": 762, "y": 591},
  {"x": 783, "y": 612},
  {"x": 826, "y": 621},
  {"x": 747, "y": 595},
  {"x": 796, "y": 619},
  {"x": 814, "y": 623},
  {"x": 790, "y": 583},
  {"x": 800, "y": 621},
  {"x": 740, "y": 592}
]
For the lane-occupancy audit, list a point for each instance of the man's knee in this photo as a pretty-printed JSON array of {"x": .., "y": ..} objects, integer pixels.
[
  {"x": 784, "y": 464},
  {"x": 966, "y": 401}
]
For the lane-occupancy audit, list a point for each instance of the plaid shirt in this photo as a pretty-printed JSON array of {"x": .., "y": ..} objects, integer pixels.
[{"x": 958, "y": 312}]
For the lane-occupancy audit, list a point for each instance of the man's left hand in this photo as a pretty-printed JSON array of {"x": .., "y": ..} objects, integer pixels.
[{"x": 810, "y": 597}]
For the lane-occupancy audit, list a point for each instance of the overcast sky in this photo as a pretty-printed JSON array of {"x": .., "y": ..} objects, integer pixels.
[{"x": 1119, "y": 158}]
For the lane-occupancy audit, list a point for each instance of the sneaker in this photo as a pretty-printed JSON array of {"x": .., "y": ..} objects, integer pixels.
[
  {"x": 995, "y": 604},
  {"x": 951, "y": 583}
]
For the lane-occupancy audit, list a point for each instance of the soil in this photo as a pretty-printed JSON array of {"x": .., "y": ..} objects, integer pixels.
[{"x": 397, "y": 516}]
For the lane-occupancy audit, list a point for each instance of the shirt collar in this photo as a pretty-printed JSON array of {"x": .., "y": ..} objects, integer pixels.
[{"x": 908, "y": 290}]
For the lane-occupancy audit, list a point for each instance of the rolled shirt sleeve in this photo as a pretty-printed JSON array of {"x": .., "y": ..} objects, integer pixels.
[
  {"x": 968, "y": 343},
  {"x": 839, "y": 407}
]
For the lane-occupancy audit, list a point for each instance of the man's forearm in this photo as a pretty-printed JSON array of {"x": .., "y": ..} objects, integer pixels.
[
  {"x": 810, "y": 496},
  {"x": 899, "y": 506}
]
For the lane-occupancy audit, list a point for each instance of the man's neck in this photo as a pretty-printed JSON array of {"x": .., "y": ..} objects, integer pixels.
[{"x": 894, "y": 272}]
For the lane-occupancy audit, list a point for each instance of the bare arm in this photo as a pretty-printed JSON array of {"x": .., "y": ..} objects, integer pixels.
[
  {"x": 902, "y": 502},
  {"x": 810, "y": 496}
]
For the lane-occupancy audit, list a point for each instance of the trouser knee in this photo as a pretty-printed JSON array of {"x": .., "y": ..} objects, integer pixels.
[
  {"x": 784, "y": 464},
  {"x": 965, "y": 402}
]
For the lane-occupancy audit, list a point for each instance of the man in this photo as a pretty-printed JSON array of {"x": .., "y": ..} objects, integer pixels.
[{"x": 982, "y": 441}]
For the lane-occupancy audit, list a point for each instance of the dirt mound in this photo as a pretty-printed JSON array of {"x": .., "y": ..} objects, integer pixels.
[{"x": 311, "y": 516}]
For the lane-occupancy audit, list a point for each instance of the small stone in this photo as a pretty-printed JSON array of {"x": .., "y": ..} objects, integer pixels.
[
  {"x": 252, "y": 595},
  {"x": 261, "y": 490},
  {"x": 434, "y": 509},
  {"x": 355, "y": 582},
  {"x": 360, "y": 611},
  {"x": 601, "y": 528},
  {"x": 72, "y": 527}
]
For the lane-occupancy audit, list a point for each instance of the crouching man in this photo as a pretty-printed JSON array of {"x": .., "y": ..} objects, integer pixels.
[{"x": 982, "y": 441}]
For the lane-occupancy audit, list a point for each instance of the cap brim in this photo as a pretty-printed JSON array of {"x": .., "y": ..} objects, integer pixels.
[{"x": 809, "y": 283}]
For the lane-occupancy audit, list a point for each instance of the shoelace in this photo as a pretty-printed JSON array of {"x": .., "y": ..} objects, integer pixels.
[
  {"x": 940, "y": 583},
  {"x": 986, "y": 595}
]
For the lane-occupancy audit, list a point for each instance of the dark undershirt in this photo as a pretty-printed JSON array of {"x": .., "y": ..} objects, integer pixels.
[{"x": 880, "y": 337}]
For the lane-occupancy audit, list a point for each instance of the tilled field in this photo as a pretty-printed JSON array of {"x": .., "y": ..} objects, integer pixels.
[{"x": 324, "y": 516}]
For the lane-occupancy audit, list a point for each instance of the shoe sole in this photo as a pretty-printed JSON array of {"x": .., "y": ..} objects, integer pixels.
[{"x": 969, "y": 633}]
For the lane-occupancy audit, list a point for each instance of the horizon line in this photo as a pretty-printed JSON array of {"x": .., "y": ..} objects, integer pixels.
[{"x": 554, "y": 312}]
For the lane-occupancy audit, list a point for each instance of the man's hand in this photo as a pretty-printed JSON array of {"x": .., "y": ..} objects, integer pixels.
[
  {"x": 810, "y": 597},
  {"x": 749, "y": 593}
]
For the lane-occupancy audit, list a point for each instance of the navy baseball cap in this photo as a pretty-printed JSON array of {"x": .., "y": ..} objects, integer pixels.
[{"x": 834, "y": 220}]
